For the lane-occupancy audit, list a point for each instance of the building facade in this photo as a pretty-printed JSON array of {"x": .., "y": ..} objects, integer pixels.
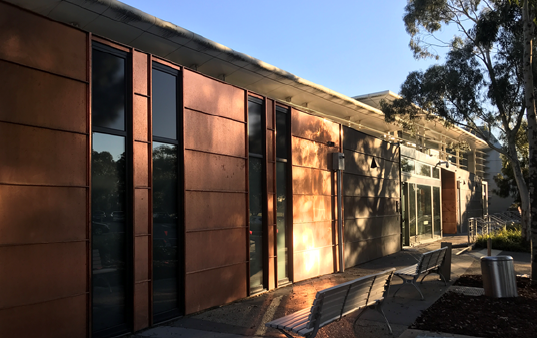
[{"x": 135, "y": 189}]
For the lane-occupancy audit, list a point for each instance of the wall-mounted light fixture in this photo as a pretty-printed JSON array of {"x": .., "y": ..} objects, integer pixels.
[
  {"x": 331, "y": 144},
  {"x": 374, "y": 164},
  {"x": 442, "y": 162}
]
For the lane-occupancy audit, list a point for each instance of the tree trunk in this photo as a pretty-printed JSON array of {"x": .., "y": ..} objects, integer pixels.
[{"x": 532, "y": 132}]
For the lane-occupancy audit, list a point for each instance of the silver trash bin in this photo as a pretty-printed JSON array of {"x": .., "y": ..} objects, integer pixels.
[{"x": 499, "y": 279}]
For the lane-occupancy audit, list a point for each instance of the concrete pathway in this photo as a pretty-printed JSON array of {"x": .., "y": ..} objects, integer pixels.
[{"x": 247, "y": 317}]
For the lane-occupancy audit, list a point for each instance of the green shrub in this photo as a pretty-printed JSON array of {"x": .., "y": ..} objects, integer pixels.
[{"x": 509, "y": 239}]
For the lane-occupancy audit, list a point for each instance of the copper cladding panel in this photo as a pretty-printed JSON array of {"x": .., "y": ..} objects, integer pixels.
[
  {"x": 32, "y": 156},
  {"x": 313, "y": 263},
  {"x": 214, "y": 172},
  {"x": 214, "y": 134},
  {"x": 212, "y": 97},
  {"x": 310, "y": 154},
  {"x": 141, "y": 211},
  {"x": 42, "y": 214},
  {"x": 61, "y": 318},
  {"x": 140, "y": 116},
  {"x": 31, "y": 40},
  {"x": 215, "y": 287},
  {"x": 270, "y": 145},
  {"x": 213, "y": 210},
  {"x": 270, "y": 113},
  {"x": 41, "y": 272},
  {"x": 308, "y": 236},
  {"x": 314, "y": 128},
  {"x": 213, "y": 249},
  {"x": 302, "y": 180},
  {"x": 302, "y": 208},
  {"x": 141, "y": 305},
  {"x": 28, "y": 96},
  {"x": 139, "y": 73},
  {"x": 141, "y": 164},
  {"x": 322, "y": 208},
  {"x": 141, "y": 258},
  {"x": 270, "y": 209}
]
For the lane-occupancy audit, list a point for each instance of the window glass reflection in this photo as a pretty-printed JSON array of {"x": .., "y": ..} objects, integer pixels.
[
  {"x": 256, "y": 223},
  {"x": 255, "y": 131},
  {"x": 407, "y": 165},
  {"x": 164, "y": 104},
  {"x": 412, "y": 209},
  {"x": 281, "y": 216},
  {"x": 165, "y": 230},
  {"x": 281, "y": 134},
  {"x": 436, "y": 210},
  {"x": 436, "y": 173},
  {"x": 108, "y": 90},
  {"x": 108, "y": 188},
  {"x": 424, "y": 210}
]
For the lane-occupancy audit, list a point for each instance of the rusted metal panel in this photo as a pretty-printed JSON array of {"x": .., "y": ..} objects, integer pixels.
[
  {"x": 215, "y": 287},
  {"x": 270, "y": 145},
  {"x": 141, "y": 211},
  {"x": 31, "y": 40},
  {"x": 141, "y": 305},
  {"x": 141, "y": 258},
  {"x": 302, "y": 180},
  {"x": 313, "y": 263},
  {"x": 359, "y": 207},
  {"x": 34, "y": 157},
  {"x": 361, "y": 229},
  {"x": 140, "y": 116},
  {"x": 214, "y": 134},
  {"x": 213, "y": 210},
  {"x": 306, "y": 153},
  {"x": 322, "y": 208},
  {"x": 271, "y": 177},
  {"x": 269, "y": 104},
  {"x": 42, "y": 272},
  {"x": 36, "y": 98},
  {"x": 314, "y": 128},
  {"x": 367, "y": 250},
  {"x": 328, "y": 182},
  {"x": 214, "y": 248},
  {"x": 141, "y": 164},
  {"x": 212, "y": 97},
  {"x": 214, "y": 172},
  {"x": 61, "y": 318},
  {"x": 139, "y": 73},
  {"x": 313, "y": 235},
  {"x": 42, "y": 214},
  {"x": 302, "y": 208},
  {"x": 270, "y": 209}
]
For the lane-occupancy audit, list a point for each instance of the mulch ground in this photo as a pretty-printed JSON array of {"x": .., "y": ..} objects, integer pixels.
[{"x": 483, "y": 316}]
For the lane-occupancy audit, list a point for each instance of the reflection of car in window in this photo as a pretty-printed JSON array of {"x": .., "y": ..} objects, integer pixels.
[
  {"x": 98, "y": 215},
  {"x": 118, "y": 215},
  {"x": 99, "y": 228}
]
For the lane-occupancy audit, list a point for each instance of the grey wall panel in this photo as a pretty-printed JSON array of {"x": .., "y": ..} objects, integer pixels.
[
  {"x": 360, "y": 164},
  {"x": 358, "y": 207},
  {"x": 358, "y": 185},
  {"x": 367, "y": 250},
  {"x": 355, "y": 140},
  {"x": 373, "y": 227}
]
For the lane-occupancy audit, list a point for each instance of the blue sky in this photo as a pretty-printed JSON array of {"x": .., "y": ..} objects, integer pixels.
[{"x": 353, "y": 47}]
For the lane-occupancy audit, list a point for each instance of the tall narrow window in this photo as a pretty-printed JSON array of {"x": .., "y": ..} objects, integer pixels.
[
  {"x": 257, "y": 195},
  {"x": 282, "y": 238},
  {"x": 436, "y": 211},
  {"x": 109, "y": 171},
  {"x": 166, "y": 214}
]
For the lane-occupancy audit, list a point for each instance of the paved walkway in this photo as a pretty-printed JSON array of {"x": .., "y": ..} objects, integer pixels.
[{"x": 247, "y": 317}]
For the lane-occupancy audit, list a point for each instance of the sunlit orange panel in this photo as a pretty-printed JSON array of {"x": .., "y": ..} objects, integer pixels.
[
  {"x": 141, "y": 164},
  {"x": 313, "y": 263},
  {"x": 57, "y": 214},
  {"x": 308, "y": 236},
  {"x": 213, "y": 97},
  {"x": 322, "y": 208},
  {"x": 214, "y": 134},
  {"x": 41, "y": 156},
  {"x": 314, "y": 128},
  {"x": 270, "y": 209},
  {"x": 270, "y": 113},
  {"x": 32, "y": 273},
  {"x": 141, "y": 305},
  {"x": 61, "y": 318},
  {"x": 139, "y": 72},
  {"x": 140, "y": 116},
  {"x": 215, "y": 287},
  {"x": 310, "y": 154},
  {"x": 32, "y": 97},
  {"x": 212, "y": 210},
  {"x": 211, "y": 249},
  {"x": 302, "y": 180},
  {"x": 270, "y": 146},
  {"x": 33, "y": 41},
  {"x": 214, "y": 172},
  {"x": 302, "y": 208},
  {"x": 141, "y": 258},
  {"x": 141, "y": 211}
]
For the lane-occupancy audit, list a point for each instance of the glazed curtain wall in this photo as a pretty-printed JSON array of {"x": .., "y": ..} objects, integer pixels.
[
  {"x": 371, "y": 197},
  {"x": 44, "y": 192}
]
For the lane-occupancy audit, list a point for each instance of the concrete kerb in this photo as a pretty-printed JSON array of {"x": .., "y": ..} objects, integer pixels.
[{"x": 247, "y": 317}]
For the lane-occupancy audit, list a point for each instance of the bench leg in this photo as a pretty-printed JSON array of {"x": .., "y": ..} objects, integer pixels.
[
  {"x": 285, "y": 333},
  {"x": 428, "y": 272},
  {"x": 408, "y": 281},
  {"x": 379, "y": 309}
]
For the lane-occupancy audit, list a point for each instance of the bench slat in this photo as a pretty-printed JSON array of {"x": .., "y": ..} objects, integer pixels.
[
  {"x": 294, "y": 324},
  {"x": 275, "y": 323}
]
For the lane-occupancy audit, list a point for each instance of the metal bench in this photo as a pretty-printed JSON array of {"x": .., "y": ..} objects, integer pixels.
[
  {"x": 429, "y": 262},
  {"x": 336, "y": 302}
]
